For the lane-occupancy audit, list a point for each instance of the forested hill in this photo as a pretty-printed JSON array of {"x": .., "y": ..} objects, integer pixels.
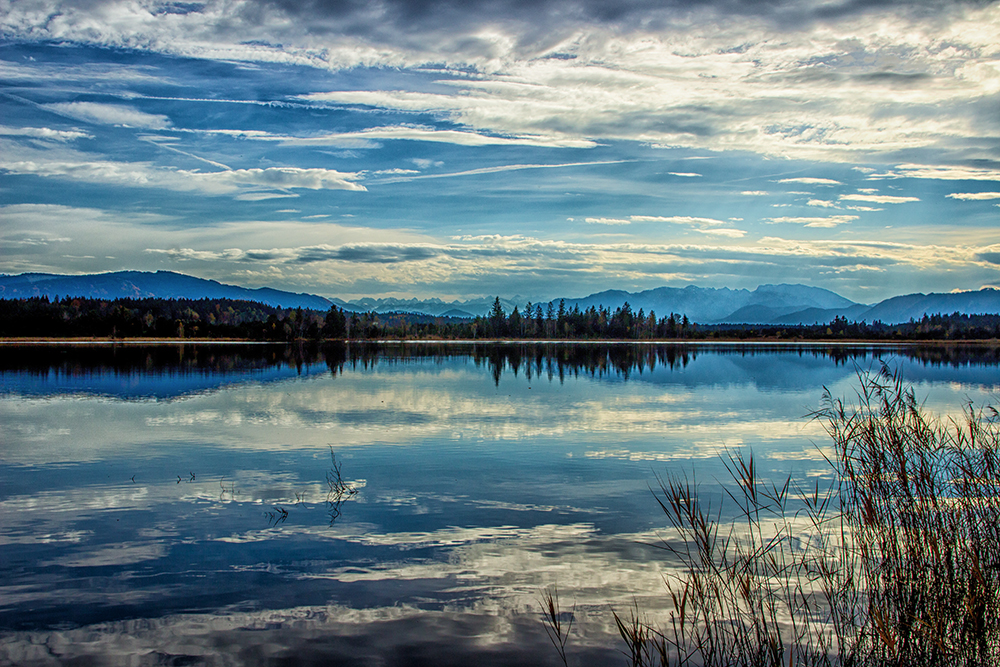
[
  {"x": 205, "y": 318},
  {"x": 155, "y": 318}
]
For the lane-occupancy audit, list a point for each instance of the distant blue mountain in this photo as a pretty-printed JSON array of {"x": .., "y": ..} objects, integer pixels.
[
  {"x": 435, "y": 307},
  {"x": 821, "y": 315},
  {"x": 915, "y": 306},
  {"x": 709, "y": 305},
  {"x": 143, "y": 284},
  {"x": 768, "y": 304},
  {"x": 791, "y": 304}
]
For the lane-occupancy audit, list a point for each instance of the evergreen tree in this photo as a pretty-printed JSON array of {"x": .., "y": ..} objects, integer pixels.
[
  {"x": 498, "y": 319},
  {"x": 514, "y": 323},
  {"x": 335, "y": 324}
]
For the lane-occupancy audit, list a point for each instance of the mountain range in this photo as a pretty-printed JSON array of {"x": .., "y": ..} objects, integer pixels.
[
  {"x": 768, "y": 304},
  {"x": 145, "y": 284}
]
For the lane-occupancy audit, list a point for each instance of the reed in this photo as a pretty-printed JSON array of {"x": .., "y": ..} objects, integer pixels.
[
  {"x": 558, "y": 624},
  {"x": 896, "y": 562}
]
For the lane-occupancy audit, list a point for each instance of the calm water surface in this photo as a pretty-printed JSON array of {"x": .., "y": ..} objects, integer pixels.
[{"x": 173, "y": 504}]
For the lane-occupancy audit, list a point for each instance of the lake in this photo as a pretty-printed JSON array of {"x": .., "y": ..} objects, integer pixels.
[{"x": 393, "y": 504}]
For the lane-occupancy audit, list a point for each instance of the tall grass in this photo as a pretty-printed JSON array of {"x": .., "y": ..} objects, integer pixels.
[{"x": 897, "y": 562}]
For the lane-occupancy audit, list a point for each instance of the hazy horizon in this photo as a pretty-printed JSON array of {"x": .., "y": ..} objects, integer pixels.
[{"x": 448, "y": 150}]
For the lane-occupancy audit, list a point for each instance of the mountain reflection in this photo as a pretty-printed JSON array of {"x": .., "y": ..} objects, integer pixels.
[{"x": 165, "y": 371}]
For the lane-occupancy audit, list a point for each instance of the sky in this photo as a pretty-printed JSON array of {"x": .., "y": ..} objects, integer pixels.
[{"x": 543, "y": 149}]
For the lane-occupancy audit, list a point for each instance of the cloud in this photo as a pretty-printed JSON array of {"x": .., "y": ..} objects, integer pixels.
[
  {"x": 261, "y": 196},
  {"x": 368, "y": 253},
  {"x": 499, "y": 256},
  {"x": 608, "y": 221},
  {"x": 350, "y": 262},
  {"x": 703, "y": 225},
  {"x": 678, "y": 220},
  {"x": 811, "y": 181},
  {"x": 497, "y": 169},
  {"x": 29, "y": 239},
  {"x": 185, "y": 254},
  {"x": 68, "y": 72},
  {"x": 684, "y": 174},
  {"x": 939, "y": 173},
  {"x": 110, "y": 114},
  {"x": 76, "y": 166},
  {"x": 974, "y": 196},
  {"x": 831, "y": 221},
  {"x": 395, "y": 172},
  {"x": 707, "y": 74},
  {"x": 278, "y": 177},
  {"x": 727, "y": 232},
  {"x": 878, "y": 199},
  {"x": 417, "y": 133},
  {"x": 364, "y": 253},
  {"x": 44, "y": 133},
  {"x": 989, "y": 254},
  {"x": 503, "y": 87},
  {"x": 229, "y": 251}
]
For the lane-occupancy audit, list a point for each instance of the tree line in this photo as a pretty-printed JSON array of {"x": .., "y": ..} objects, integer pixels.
[
  {"x": 249, "y": 320},
  {"x": 595, "y": 323},
  {"x": 156, "y": 318}
]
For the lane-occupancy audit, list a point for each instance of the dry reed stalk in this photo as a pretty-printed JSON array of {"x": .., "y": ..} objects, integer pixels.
[{"x": 903, "y": 564}]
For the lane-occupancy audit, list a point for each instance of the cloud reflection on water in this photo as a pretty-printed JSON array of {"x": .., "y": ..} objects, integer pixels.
[
  {"x": 705, "y": 397},
  {"x": 490, "y": 584},
  {"x": 142, "y": 522}
]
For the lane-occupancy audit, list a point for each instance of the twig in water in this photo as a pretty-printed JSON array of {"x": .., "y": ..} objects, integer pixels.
[
  {"x": 337, "y": 489},
  {"x": 231, "y": 490},
  {"x": 278, "y": 516}
]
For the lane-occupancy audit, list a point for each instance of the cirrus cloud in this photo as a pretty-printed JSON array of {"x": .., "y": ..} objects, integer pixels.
[
  {"x": 277, "y": 177},
  {"x": 44, "y": 133},
  {"x": 678, "y": 220},
  {"x": 607, "y": 221},
  {"x": 708, "y": 75},
  {"x": 78, "y": 166},
  {"x": 974, "y": 196},
  {"x": 110, "y": 114},
  {"x": 878, "y": 199},
  {"x": 810, "y": 181},
  {"x": 364, "y": 138},
  {"x": 831, "y": 221},
  {"x": 939, "y": 173}
]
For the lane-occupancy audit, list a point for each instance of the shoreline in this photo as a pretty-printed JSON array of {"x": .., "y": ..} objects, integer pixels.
[{"x": 13, "y": 341}]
